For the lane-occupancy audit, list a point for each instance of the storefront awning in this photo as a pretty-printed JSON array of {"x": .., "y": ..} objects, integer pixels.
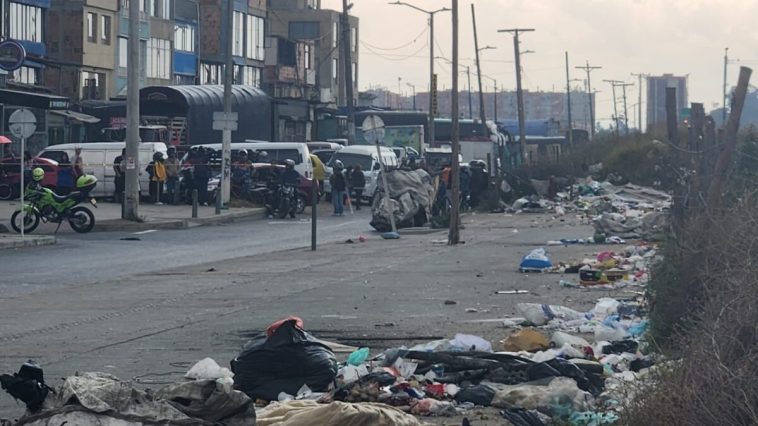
[
  {"x": 33, "y": 100},
  {"x": 78, "y": 116}
]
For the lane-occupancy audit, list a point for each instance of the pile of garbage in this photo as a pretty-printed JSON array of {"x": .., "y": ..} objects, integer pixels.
[
  {"x": 410, "y": 202},
  {"x": 617, "y": 212}
]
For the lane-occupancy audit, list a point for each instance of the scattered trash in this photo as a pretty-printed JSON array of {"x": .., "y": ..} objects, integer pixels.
[
  {"x": 208, "y": 369},
  {"x": 210, "y": 270},
  {"x": 283, "y": 362},
  {"x": 307, "y": 413},
  {"x": 362, "y": 238},
  {"x": 526, "y": 339},
  {"x": 450, "y": 302},
  {"x": 540, "y": 314},
  {"x": 536, "y": 260},
  {"x": 130, "y": 239},
  {"x": 358, "y": 357},
  {"x": 468, "y": 342},
  {"x": 512, "y": 292}
]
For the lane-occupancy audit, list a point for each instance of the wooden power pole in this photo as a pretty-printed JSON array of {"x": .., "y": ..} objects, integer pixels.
[
  {"x": 568, "y": 101},
  {"x": 587, "y": 68},
  {"x": 519, "y": 91},
  {"x": 455, "y": 220},
  {"x": 482, "y": 115}
]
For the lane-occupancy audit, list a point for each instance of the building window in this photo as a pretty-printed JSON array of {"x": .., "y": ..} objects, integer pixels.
[
  {"x": 210, "y": 73},
  {"x": 105, "y": 29},
  {"x": 255, "y": 38},
  {"x": 334, "y": 34},
  {"x": 91, "y": 27},
  {"x": 125, "y": 4},
  {"x": 158, "y": 58},
  {"x": 248, "y": 76},
  {"x": 184, "y": 80},
  {"x": 158, "y": 8},
  {"x": 166, "y": 9},
  {"x": 354, "y": 39},
  {"x": 26, "y": 75},
  {"x": 123, "y": 52},
  {"x": 355, "y": 74},
  {"x": 25, "y": 22},
  {"x": 304, "y": 30},
  {"x": 307, "y": 59},
  {"x": 335, "y": 66},
  {"x": 92, "y": 85},
  {"x": 184, "y": 38},
  {"x": 238, "y": 33},
  {"x": 312, "y": 4}
]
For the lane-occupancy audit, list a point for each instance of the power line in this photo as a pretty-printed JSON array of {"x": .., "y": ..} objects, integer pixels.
[
  {"x": 399, "y": 57},
  {"x": 415, "y": 39}
]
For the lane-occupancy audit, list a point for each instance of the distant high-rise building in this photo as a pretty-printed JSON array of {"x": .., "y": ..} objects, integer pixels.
[{"x": 656, "y": 97}]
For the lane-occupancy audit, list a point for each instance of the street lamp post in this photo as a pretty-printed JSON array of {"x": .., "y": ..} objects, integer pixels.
[
  {"x": 431, "y": 14},
  {"x": 482, "y": 114}
]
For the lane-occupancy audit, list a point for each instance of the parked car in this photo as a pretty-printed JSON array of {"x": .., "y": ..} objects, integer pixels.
[
  {"x": 324, "y": 154},
  {"x": 313, "y": 146},
  {"x": 10, "y": 176}
]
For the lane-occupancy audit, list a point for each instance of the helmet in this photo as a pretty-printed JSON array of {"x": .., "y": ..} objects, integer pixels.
[
  {"x": 290, "y": 163},
  {"x": 38, "y": 174},
  {"x": 158, "y": 156},
  {"x": 338, "y": 165},
  {"x": 85, "y": 183},
  {"x": 242, "y": 153}
]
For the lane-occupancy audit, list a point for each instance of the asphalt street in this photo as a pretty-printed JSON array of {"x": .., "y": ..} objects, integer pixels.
[{"x": 87, "y": 258}]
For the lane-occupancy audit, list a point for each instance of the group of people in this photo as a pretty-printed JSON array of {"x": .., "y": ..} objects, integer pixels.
[
  {"x": 345, "y": 183},
  {"x": 69, "y": 172},
  {"x": 163, "y": 172}
]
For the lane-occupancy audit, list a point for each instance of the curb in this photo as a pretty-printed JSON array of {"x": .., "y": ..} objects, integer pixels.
[
  {"x": 28, "y": 241},
  {"x": 115, "y": 225}
]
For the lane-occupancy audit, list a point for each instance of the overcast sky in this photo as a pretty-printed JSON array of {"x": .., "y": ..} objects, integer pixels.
[{"x": 683, "y": 37}]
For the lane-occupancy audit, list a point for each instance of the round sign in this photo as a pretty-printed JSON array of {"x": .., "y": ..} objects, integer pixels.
[
  {"x": 22, "y": 123},
  {"x": 373, "y": 129},
  {"x": 12, "y": 55}
]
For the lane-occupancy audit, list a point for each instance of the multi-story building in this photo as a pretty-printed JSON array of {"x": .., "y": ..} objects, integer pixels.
[
  {"x": 656, "y": 97},
  {"x": 246, "y": 32},
  {"x": 186, "y": 60},
  {"x": 24, "y": 21},
  {"x": 305, "y": 20},
  {"x": 81, "y": 43}
]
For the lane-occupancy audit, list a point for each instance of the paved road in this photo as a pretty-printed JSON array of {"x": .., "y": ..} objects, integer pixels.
[{"x": 81, "y": 259}]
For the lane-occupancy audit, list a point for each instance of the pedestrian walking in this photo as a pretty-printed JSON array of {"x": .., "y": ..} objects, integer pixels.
[
  {"x": 358, "y": 182},
  {"x": 339, "y": 185},
  {"x": 156, "y": 169},
  {"x": 172, "y": 175}
]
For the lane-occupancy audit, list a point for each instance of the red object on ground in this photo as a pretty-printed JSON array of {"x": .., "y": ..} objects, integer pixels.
[
  {"x": 272, "y": 328},
  {"x": 435, "y": 389}
]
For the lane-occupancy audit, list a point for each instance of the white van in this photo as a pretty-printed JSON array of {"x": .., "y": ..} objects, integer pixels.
[
  {"x": 365, "y": 156},
  {"x": 98, "y": 157},
  {"x": 276, "y": 151}
]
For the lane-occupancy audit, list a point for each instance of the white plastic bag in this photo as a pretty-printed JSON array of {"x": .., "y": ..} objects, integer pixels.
[
  {"x": 469, "y": 342},
  {"x": 208, "y": 369},
  {"x": 540, "y": 314},
  {"x": 606, "y": 306}
]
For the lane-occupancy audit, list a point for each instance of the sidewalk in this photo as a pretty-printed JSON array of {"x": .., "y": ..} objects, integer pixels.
[{"x": 108, "y": 217}]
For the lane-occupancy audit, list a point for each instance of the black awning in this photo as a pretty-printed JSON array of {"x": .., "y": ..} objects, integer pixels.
[{"x": 33, "y": 100}]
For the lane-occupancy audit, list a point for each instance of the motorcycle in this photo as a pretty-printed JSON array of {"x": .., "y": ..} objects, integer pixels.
[
  {"x": 47, "y": 206},
  {"x": 286, "y": 201}
]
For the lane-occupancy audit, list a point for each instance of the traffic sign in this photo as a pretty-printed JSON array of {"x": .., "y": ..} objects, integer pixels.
[
  {"x": 223, "y": 121},
  {"x": 12, "y": 55},
  {"x": 373, "y": 129},
  {"x": 22, "y": 123}
]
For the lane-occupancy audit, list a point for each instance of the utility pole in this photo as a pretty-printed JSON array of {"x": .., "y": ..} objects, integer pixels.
[
  {"x": 131, "y": 186},
  {"x": 639, "y": 99},
  {"x": 519, "y": 91},
  {"x": 568, "y": 100},
  {"x": 455, "y": 220},
  {"x": 589, "y": 69},
  {"x": 226, "y": 134},
  {"x": 346, "y": 55},
  {"x": 432, "y": 79},
  {"x": 726, "y": 64},
  {"x": 482, "y": 114},
  {"x": 615, "y": 106},
  {"x": 470, "y": 105},
  {"x": 495, "y": 102},
  {"x": 626, "y": 112}
]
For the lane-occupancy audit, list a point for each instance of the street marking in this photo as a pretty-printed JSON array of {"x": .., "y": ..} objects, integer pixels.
[{"x": 145, "y": 232}]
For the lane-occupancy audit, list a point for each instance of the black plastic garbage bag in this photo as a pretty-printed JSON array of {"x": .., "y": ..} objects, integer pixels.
[
  {"x": 557, "y": 367},
  {"x": 479, "y": 395},
  {"x": 284, "y": 362},
  {"x": 521, "y": 417},
  {"x": 28, "y": 385}
]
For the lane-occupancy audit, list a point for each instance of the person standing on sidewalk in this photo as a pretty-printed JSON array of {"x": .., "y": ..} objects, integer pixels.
[
  {"x": 78, "y": 163},
  {"x": 66, "y": 178},
  {"x": 358, "y": 181},
  {"x": 157, "y": 171},
  {"x": 120, "y": 179},
  {"x": 172, "y": 175},
  {"x": 319, "y": 173},
  {"x": 339, "y": 185}
]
